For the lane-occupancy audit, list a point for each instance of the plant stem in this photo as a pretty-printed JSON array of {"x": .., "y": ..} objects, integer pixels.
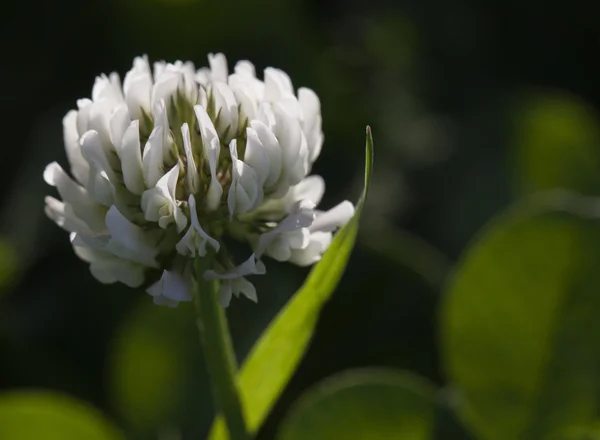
[{"x": 218, "y": 350}]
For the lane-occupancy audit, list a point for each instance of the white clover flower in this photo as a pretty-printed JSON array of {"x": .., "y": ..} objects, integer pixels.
[{"x": 168, "y": 165}]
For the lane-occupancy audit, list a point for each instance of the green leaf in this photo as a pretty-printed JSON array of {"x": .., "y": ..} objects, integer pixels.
[
  {"x": 49, "y": 416},
  {"x": 589, "y": 432},
  {"x": 275, "y": 356},
  {"x": 368, "y": 404},
  {"x": 556, "y": 143},
  {"x": 151, "y": 364},
  {"x": 520, "y": 322}
]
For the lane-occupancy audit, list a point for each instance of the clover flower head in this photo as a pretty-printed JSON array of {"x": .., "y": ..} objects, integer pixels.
[{"x": 168, "y": 164}]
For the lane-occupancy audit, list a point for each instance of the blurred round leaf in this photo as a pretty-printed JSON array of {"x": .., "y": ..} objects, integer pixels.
[
  {"x": 520, "y": 322},
  {"x": 557, "y": 144},
  {"x": 149, "y": 365},
  {"x": 590, "y": 432},
  {"x": 364, "y": 405},
  {"x": 48, "y": 416}
]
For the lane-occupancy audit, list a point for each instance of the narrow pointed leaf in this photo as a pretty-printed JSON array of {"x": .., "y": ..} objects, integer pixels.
[{"x": 274, "y": 358}]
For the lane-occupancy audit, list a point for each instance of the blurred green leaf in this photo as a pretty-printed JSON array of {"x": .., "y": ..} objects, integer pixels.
[
  {"x": 589, "y": 432},
  {"x": 150, "y": 364},
  {"x": 520, "y": 326},
  {"x": 275, "y": 356},
  {"x": 371, "y": 404},
  {"x": 557, "y": 144},
  {"x": 49, "y": 416}
]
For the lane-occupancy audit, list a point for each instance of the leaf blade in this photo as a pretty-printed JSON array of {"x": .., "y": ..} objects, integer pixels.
[
  {"x": 51, "y": 416},
  {"x": 519, "y": 330},
  {"x": 359, "y": 404},
  {"x": 282, "y": 345}
]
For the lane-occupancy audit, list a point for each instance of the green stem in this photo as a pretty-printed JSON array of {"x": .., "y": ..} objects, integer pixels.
[{"x": 218, "y": 350}]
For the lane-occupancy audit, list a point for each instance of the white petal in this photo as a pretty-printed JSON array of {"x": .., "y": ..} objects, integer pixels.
[
  {"x": 301, "y": 217},
  {"x": 161, "y": 119},
  {"x": 64, "y": 216},
  {"x": 248, "y": 90},
  {"x": 137, "y": 87},
  {"x": 83, "y": 115},
  {"x": 336, "y": 217},
  {"x": 298, "y": 239},
  {"x": 159, "y": 204},
  {"x": 226, "y": 108},
  {"x": 79, "y": 166},
  {"x": 218, "y": 67},
  {"x": 319, "y": 242},
  {"x": 245, "y": 67},
  {"x": 195, "y": 240},
  {"x": 172, "y": 288},
  {"x": 99, "y": 116},
  {"x": 272, "y": 150},
  {"x": 169, "y": 185},
  {"x": 131, "y": 160},
  {"x": 279, "y": 249},
  {"x": 129, "y": 241},
  {"x": 211, "y": 149},
  {"x": 111, "y": 270},
  {"x": 165, "y": 87},
  {"x": 108, "y": 268},
  {"x": 252, "y": 266},
  {"x": 311, "y": 188},
  {"x": 256, "y": 156},
  {"x": 153, "y": 158},
  {"x": 161, "y": 300},
  {"x": 89, "y": 212},
  {"x": 159, "y": 68},
  {"x": 311, "y": 124},
  {"x": 99, "y": 187},
  {"x": 92, "y": 150},
  {"x": 282, "y": 246},
  {"x": 246, "y": 100},
  {"x": 244, "y": 193},
  {"x": 244, "y": 287},
  {"x": 294, "y": 149},
  {"x": 105, "y": 88},
  {"x": 203, "y": 76},
  {"x": 192, "y": 177},
  {"x": 277, "y": 84},
  {"x": 119, "y": 121},
  {"x": 293, "y": 145}
]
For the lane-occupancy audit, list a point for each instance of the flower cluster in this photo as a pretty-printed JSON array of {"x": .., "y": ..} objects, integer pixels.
[{"x": 167, "y": 165}]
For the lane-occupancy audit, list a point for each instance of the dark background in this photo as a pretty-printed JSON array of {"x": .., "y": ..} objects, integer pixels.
[{"x": 444, "y": 86}]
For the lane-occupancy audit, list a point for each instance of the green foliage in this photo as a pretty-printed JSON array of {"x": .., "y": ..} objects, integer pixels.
[
  {"x": 358, "y": 405},
  {"x": 152, "y": 358},
  {"x": 520, "y": 327},
  {"x": 556, "y": 144},
  {"x": 48, "y": 416},
  {"x": 279, "y": 350}
]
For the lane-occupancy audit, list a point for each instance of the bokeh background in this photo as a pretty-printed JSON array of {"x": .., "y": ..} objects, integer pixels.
[{"x": 472, "y": 105}]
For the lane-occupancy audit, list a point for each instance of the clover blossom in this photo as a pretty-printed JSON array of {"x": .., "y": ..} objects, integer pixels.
[{"x": 168, "y": 164}]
